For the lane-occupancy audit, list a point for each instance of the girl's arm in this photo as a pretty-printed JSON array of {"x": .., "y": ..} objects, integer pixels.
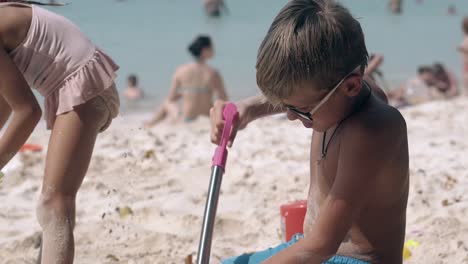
[
  {"x": 26, "y": 111},
  {"x": 5, "y": 112}
]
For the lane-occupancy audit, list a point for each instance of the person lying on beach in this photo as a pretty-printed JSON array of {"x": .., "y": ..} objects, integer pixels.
[
  {"x": 416, "y": 90},
  {"x": 446, "y": 85},
  {"x": 195, "y": 84},
  {"x": 41, "y": 49},
  {"x": 359, "y": 175}
]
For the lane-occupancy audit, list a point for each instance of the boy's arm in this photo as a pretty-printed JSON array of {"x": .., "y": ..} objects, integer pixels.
[
  {"x": 363, "y": 153},
  {"x": 257, "y": 106},
  {"x": 249, "y": 109}
]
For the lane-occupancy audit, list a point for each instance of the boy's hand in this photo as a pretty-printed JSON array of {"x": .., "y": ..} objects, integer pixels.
[{"x": 217, "y": 121}]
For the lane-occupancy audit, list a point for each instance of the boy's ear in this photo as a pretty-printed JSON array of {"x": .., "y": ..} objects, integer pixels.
[{"x": 353, "y": 85}]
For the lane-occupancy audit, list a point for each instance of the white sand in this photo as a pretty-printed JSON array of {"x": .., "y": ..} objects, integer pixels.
[{"x": 163, "y": 174}]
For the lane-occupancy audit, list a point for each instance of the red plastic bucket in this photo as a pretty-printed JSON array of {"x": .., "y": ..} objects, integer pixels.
[{"x": 292, "y": 219}]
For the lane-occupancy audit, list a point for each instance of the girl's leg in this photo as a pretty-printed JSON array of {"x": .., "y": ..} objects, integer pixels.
[{"x": 69, "y": 152}]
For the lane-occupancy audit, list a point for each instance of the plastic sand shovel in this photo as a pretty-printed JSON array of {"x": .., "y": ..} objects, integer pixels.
[{"x": 219, "y": 165}]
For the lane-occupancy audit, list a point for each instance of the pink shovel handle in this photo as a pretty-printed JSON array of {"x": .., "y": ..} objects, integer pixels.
[{"x": 230, "y": 116}]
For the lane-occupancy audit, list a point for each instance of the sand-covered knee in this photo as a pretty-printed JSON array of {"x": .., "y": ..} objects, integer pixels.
[
  {"x": 55, "y": 217},
  {"x": 55, "y": 210}
]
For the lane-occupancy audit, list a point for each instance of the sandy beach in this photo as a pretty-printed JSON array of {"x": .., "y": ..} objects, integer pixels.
[{"x": 143, "y": 198}]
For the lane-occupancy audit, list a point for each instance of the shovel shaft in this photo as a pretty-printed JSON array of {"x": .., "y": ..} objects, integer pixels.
[
  {"x": 204, "y": 248},
  {"x": 230, "y": 116}
]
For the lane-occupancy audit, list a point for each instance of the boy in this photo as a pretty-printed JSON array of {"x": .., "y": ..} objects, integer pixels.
[
  {"x": 463, "y": 49},
  {"x": 311, "y": 64},
  {"x": 133, "y": 91}
]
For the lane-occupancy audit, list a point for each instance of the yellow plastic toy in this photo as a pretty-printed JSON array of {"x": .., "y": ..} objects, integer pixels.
[
  {"x": 409, "y": 244},
  {"x": 406, "y": 253}
]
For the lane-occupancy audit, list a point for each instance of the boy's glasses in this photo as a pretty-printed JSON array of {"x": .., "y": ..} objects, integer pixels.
[{"x": 308, "y": 115}]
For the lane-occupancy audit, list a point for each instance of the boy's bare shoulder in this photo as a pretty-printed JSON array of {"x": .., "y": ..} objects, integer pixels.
[{"x": 380, "y": 123}]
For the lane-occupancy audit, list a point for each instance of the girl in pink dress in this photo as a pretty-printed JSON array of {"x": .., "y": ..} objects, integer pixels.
[{"x": 42, "y": 50}]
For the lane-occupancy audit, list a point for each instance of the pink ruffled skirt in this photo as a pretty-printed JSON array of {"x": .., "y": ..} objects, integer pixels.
[{"x": 95, "y": 78}]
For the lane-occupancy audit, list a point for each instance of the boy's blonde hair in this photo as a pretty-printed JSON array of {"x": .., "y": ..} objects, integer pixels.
[{"x": 309, "y": 40}]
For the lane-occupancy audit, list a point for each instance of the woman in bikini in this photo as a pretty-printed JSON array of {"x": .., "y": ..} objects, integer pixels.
[
  {"x": 41, "y": 49},
  {"x": 195, "y": 84}
]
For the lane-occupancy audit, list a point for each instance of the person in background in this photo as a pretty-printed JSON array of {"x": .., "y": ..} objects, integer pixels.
[
  {"x": 194, "y": 83},
  {"x": 395, "y": 6},
  {"x": 133, "y": 92},
  {"x": 446, "y": 84},
  {"x": 375, "y": 61},
  {"x": 214, "y": 7},
  {"x": 416, "y": 90},
  {"x": 451, "y": 10},
  {"x": 463, "y": 49},
  {"x": 374, "y": 72}
]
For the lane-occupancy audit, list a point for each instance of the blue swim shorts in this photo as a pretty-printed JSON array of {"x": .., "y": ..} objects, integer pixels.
[{"x": 259, "y": 257}]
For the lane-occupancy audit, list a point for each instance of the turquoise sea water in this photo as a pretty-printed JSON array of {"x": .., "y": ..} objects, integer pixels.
[{"x": 149, "y": 37}]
